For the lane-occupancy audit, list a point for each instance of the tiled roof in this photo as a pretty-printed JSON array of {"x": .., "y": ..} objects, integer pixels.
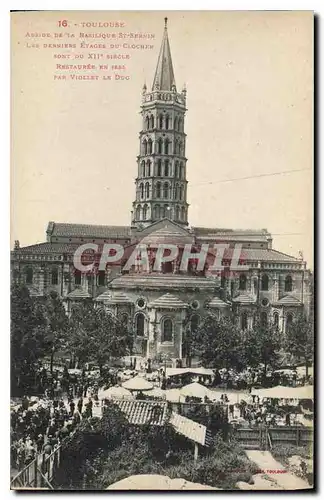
[
  {"x": 259, "y": 254},
  {"x": 216, "y": 302},
  {"x": 79, "y": 293},
  {"x": 48, "y": 248},
  {"x": 103, "y": 296},
  {"x": 232, "y": 234},
  {"x": 153, "y": 281},
  {"x": 167, "y": 235},
  {"x": 168, "y": 301},
  {"x": 244, "y": 299},
  {"x": 89, "y": 231},
  {"x": 118, "y": 298},
  {"x": 188, "y": 428},
  {"x": 143, "y": 412},
  {"x": 288, "y": 300},
  {"x": 263, "y": 254},
  {"x": 221, "y": 230}
]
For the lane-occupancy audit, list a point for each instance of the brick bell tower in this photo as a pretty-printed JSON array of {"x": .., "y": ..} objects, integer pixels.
[{"x": 161, "y": 185}]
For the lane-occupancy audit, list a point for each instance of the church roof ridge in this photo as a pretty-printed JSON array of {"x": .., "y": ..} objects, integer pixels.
[
  {"x": 168, "y": 301},
  {"x": 87, "y": 230}
]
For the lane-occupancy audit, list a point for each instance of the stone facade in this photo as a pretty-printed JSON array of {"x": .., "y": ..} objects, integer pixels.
[{"x": 159, "y": 306}]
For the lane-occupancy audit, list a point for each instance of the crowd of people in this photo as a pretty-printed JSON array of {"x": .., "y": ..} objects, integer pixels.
[{"x": 39, "y": 424}]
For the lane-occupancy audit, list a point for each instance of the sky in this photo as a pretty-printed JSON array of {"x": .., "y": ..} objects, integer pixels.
[{"x": 249, "y": 79}]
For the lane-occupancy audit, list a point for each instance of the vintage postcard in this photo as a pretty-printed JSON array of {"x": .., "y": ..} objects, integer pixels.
[{"x": 162, "y": 292}]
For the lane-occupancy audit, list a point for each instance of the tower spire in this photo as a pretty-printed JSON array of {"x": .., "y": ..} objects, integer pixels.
[{"x": 164, "y": 76}]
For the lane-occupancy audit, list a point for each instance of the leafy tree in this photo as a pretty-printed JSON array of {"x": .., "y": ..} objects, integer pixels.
[
  {"x": 300, "y": 339},
  {"x": 79, "y": 326},
  {"x": 28, "y": 324},
  {"x": 218, "y": 343},
  {"x": 108, "y": 337},
  {"x": 56, "y": 324},
  {"x": 95, "y": 335},
  {"x": 261, "y": 345}
]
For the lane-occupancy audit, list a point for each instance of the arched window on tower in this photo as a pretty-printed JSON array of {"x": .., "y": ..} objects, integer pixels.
[
  {"x": 288, "y": 284},
  {"x": 243, "y": 280},
  {"x": 181, "y": 171},
  {"x": 175, "y": 146},
  {"x": 276, "y": 320},
  {"x": 177, "y": 213},
  {"x": 147, "y": 190},
  {"x": 183, "y": 212},
  {"x": 152, "y": 122},
  {"x": 176, "y": 170},
  {"x": 163, "y": 212},
  {"x": 54, "y": 276},
  {"x": 157, "y": 211},
  {"x": 166, "y": 146},
  {"x": 244, "y": 321},
  {"x": 138, "y": 212},
  {"x": 175, "y": 123},
  {"x": 180, "y": 125},
  {"x": 140, "y": 324},
  {"x": 142, "y": 172},
  {"x": 148, "y": 168},
  {"x": 141, "y": 189},
  {"x": 160, "y": 146},
  {"x": 176, "y": 193},
  {"x": 158, "y": 189},
  {"x": 145, "y": 212},
  {"x": 149, "y": 147},
  {"x": 147, "y": 122},
  {"x": 167, "y": 330},
  {"x": 265, "y": 282},
  {"x": 145, "y": 146},
  {"x": 29, "y": 275},
  {"x": 181, "y": 193},
  {"x": 161, "y": 121},
  {"x": 167, "y": 121},
  {"x": 166, "y": 190},
  {"x": 179, "y": 148},
  {"x": 159, "y": 168},
  {"x": 166, "y": 168}
]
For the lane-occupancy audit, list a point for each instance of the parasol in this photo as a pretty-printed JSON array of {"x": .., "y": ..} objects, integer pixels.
[
  {"x": 115, "y": 392},
  {"x": 137, "y": 384},
  {"x": 173, "y": 395},
  {"x": 196, "y": 390},
  {"x": 156, "y": 392}
]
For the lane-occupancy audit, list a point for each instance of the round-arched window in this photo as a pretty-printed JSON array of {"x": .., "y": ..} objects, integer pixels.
[
  {"x": 139, "y": 325},
  {"x": 167, "y": 330},
  {"x": 276, "y": 319}
]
